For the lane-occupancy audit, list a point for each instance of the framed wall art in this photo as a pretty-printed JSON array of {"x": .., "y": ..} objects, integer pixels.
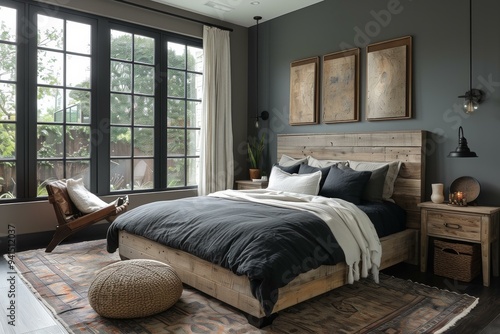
[
  {"x": 388, "y": 79},
  {"x": 304, "y": 96},
  {"x": 340, "y": 87}
]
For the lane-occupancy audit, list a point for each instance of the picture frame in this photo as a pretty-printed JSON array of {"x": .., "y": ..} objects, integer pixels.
[
  {"x": 389, "y": 79},
  {"x": 304, "y": 95},
  {"x": 340, "y": 86}
]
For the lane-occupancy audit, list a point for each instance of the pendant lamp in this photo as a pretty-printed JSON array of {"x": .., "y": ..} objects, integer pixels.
[
  {"x": 473, "y": 97},
  {"x": 263, "y": 115}
]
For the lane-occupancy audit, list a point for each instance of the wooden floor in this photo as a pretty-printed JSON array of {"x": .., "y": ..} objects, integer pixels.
[{"x": 33, "y": 317}]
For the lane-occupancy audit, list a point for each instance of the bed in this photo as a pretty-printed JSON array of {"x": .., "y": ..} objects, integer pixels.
[{"x": 408, "y": 147}]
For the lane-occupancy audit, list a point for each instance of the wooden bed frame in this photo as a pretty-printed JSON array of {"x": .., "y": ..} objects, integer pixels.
[{"x": 222, "y": 284}]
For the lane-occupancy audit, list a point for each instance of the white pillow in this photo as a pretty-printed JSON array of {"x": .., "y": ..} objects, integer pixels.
[
  {"x": 392, "y": 174},
  {"x": 287, "y": 161},
  {"x": 313, "y": 162},
  {"x": 83, "y": 199},
  {"x": 296, "y": 183}
]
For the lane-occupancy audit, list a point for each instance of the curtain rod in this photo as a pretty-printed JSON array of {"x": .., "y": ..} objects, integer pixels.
[{"x": 174, "y": 15}]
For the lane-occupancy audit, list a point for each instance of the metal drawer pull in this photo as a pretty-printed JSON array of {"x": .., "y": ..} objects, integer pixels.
[{"x": 455, "y": 226}]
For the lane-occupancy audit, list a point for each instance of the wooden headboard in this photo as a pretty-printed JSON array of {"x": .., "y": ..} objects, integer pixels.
[{"x": 405, "y": 146}]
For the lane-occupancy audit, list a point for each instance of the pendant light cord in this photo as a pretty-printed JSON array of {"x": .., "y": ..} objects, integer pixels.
[
  {"x": 470, "y": 46},
  {"x": 257, "y": 18}
]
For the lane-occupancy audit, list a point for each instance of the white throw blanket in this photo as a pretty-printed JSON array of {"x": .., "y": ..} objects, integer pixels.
[{"x": 351, "y": 227}]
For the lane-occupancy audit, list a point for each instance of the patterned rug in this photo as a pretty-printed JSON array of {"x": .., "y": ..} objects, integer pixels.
[{"x": 61, "y": 280}]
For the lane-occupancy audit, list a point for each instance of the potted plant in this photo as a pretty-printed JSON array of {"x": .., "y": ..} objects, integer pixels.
[{"x": 255, "y": 149}]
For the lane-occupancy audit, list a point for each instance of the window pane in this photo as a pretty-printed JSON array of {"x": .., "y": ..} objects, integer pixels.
[
  {"x": 7, "y": 140},
  {"x": 78, "y": 141},
  {"x": 193, "y": 114},
  {"x": 176, "y": 142},
  {"x": 120, "y": 172},
  {"x": 8, "y": 22},
  {"x": 176, "y": 174},
  {"x": 50, "y": 32},
  {"x": 8, "y": 56},
  {"x": 50, "y": 141},
  {"x": 48, "y": 171},
  {"x": 78, "y": 106},
  {"x": 144, "y": 50},
  {"x": 176, "y": 80},
  {"x": 121, "y": 45},
  {"x": 192, "y": 142},
  {"x": 144, "y": 110},
  {"x": 176, "y": 55},
  {"x": 7, "y": 180},
  {"x": 121, "y": 106},
  {"x": 7, "y": 102},
  {"x": 121, "y": 144},
  {"x": 50, "y": 68},
  {"x": 121, "y": 77},
  {"x": 143, "y": 173},
  {"x": 195, "y": 59},
  {"x": 144, "y": 79},
  {"x": 50, "y": 104},
  {"x": 77, "y": 71},
  {"x": 78, "y": 37},
  {"x": 192, "y": 171},
  {"x": 175, "y": 112},
  {"x": 79, "y": 169},
  {"x": 144, "y": 141},
  {"x": 194, "y": 86}
]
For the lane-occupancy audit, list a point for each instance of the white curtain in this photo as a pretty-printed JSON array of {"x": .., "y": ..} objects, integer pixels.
[{"x": 216, "y": 162}]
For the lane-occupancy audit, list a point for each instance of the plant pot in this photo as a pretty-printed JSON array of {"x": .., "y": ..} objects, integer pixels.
[{"x": 254, "y": 173}]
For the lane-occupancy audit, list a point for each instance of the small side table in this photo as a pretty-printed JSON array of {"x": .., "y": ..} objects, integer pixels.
[
  {"x": 249, "y": 184},
  {"x": 475, "y": 224}
]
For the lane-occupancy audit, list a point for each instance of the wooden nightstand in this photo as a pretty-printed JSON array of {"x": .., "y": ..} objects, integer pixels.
[
  {"x": 475, "y": 224},
  {"x": 249, "y": 184}
]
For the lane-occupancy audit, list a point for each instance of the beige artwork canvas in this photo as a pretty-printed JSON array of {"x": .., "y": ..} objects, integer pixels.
[
  {"x": 340, "y": 84},
  {"x": 303, "y": 92},
  {"x": 389, "y": 80}
]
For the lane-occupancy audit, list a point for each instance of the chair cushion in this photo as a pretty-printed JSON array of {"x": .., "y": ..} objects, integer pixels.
[
  {"x": 84, "y": 200},
  {"x": 134, "y": 288},
  {"x": 60, "y": 195}
]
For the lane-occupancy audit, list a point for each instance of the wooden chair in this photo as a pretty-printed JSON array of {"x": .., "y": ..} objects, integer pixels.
[{"x": 70, "y": 219}]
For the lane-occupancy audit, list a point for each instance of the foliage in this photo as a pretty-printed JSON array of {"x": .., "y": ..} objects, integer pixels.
[{"x": 255, "y": 149}]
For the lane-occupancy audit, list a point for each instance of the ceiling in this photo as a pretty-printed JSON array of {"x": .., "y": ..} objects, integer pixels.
[{"x": 240, "y": 12}]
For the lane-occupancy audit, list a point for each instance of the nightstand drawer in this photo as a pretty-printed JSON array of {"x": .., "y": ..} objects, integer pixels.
[{"x": 449, "y": 224}]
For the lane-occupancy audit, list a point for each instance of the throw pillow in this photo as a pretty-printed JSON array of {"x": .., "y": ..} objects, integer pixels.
[
  {"x": 346, "y": 184},
  {"x": 287, "y": 161},
  {"x": 294, "y": 169},
  {"x": 306, "y": 169},
  {"x": 83, "y": 199},
  {"x": 375, "y": 186},
  {"x": 311, "y": 161},
  {"x": 390, "y": 178},
  {"x": 296, "y": 183}
]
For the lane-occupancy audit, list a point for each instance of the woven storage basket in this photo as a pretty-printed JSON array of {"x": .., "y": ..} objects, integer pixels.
[
  {"x": 457, "y": 260},
  {"x": 134, "y": 288}
]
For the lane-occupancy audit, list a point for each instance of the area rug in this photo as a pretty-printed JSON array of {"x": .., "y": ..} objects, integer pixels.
[{"x": 61, "y": 280}]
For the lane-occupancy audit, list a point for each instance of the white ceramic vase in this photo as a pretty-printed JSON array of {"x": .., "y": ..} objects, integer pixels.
[{"x": 437, "y": 195}]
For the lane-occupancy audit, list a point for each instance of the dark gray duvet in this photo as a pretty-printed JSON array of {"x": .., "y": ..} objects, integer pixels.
[{"x": 269, "y": 245}]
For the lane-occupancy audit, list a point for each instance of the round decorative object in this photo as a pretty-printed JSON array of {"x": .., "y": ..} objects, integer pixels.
[
  {"x": 468, "y": 185},
  {"x": 134, "y": 288}
]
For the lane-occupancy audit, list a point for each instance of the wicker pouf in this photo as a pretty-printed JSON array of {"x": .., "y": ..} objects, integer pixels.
[{"x": 134, "y": 288}]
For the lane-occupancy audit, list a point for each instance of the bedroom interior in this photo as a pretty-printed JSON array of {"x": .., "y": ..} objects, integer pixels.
[{"x": 444, "y": 62}]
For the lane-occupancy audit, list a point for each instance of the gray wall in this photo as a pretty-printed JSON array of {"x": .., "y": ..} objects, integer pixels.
[{"x": 440, "y": 31}]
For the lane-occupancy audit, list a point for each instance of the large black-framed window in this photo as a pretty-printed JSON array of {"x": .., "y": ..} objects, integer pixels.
[{"x": 82, "y": 96}]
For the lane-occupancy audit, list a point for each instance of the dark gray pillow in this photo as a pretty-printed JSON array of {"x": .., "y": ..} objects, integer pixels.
[
  {"x": 375, "y": 186},
  {"x": 289, "y": 169},
  {"x": 306, "y": 169},
  {"x": 346, "y": 184}
]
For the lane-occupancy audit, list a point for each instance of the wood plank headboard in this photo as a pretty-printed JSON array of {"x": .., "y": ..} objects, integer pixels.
[{"x": 405, "y": 146}]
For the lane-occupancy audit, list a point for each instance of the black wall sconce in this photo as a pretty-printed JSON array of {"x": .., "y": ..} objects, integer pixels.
[{"x": 462, "y": 151}]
